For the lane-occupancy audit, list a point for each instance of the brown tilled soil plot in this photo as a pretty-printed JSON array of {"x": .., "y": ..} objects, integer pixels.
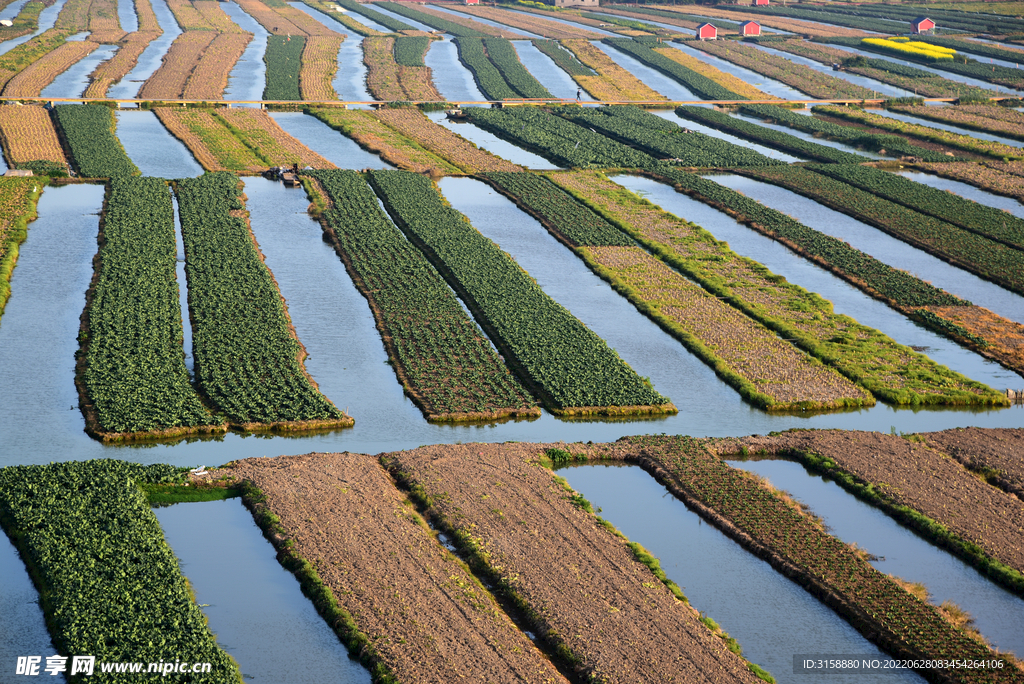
[
  {"x": 582, "y": 583},
  {"x": 999, "y": 452},
  {"x": 425, "y": 614},
  {"x": 926, "y": 480}
]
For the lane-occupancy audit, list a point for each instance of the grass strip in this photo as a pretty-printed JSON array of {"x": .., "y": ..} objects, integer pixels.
[
  {"x": 444, "y": 362},
  {"x": 248, "y": 362},
  {"x": 18, "y": 199},
  {"x": 109, "y": 584},
  {"x": 975, "y": 253},
  {"x": 700, "y": 85},
  {"x": 210, "y": 141},
  {"x": 777, "y": 140},
  {"x": 409, "y": 50},
  {"x": 564, "y": 59},
  {"x": 571, "y": 369},
  {"x": 131, "y": 369},
  {"x": 283, "y": 58},
  {"x": 89, "y": 131}
]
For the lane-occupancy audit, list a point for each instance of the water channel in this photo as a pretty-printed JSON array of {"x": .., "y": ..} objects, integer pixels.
[
  {"x": 127, "y": 15},
  {"x": 550, "y": 75},
  {"x": 492, "y": 143},
  {"x": 998, "y": 613},
  {"x": 770, "y": 616},
  {"x": 763, "y": 83},
  {"x": 74, "y": 81},
  {"x": 652, "y": 78},
  {"x": 419, "y": 26},
  {"x": 350, "y": 80},
  {"x": 11, "y": 10},
  {"x": 451, "y": 77},
  {"x": 809, "y": 137},
  {"x": 338, "y": 149},
  {"x": 24, "y": 632},
  {"x": 863, "y": 81},
  {"x": 152, "y": 147},
  {"x": 952, "y": 129},
  {"x": 670, "y": 115},
  {"x": 247, "y": 78},
  {"x": 487, "y": 22},
  {"x": 254, "y": 606},
  {"x": 152, "y": 57},
  {"x": 966, "y": 191},
  {"x": 47, "y": 18}
]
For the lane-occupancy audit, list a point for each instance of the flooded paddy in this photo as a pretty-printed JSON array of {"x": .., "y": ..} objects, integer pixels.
[
  {"x": 74, "y": 81},
  {"x": 24, "y": 630},
  {"x": 451, "y": 77},
  {"x": 488, "y": 141},
  {"x": 901, "y": 553},
  {"x": 880, "y": 245},
  {"x": 152, "y": 147},
  {"x": 151, "y": 57},
  {"x": 246, "y": 80},
  {"x": 278, "y": 637},
  {"x": 770, "y": 616},
  {"x": 338, "y": 149}
]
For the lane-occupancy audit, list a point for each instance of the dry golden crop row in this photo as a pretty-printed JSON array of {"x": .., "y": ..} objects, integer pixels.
[
  {"x": 147, "y": 17},
  {"x": 387, "y": 80},
  {"x": 213, "y": 145},
  {"x": 306, "y": 23},
  {"x": 118, "y": 66},
  {"x": 319, "y": 64},
  {"x": 28, "y": 134},
  {"x": 542, "y": 27},
  {"x": 210, "y": 76},
  {"x": 103, "y": 19},
  {"x": 39, "y": 74},
  {"x": 717, "y": 75},
  {"x": 613, "y": 83},
  {"x": 74, "y": 16},
  {"x": 216, "y": 17},
  {"x": 261, "y": 133},
  {"x": 269, "y": 19},
  {"x": 189, "y": 18},
  {"x": 168, "y": 82},
  {"x": 444, "y": 143}
]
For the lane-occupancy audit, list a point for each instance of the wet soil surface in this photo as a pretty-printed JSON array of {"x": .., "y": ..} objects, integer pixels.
[
  {"x": 997, "y": 453},
  {"x": 427, "y": 617},
  {"x": 582, "y": 583},
  {"x": 923, "y": 478}
]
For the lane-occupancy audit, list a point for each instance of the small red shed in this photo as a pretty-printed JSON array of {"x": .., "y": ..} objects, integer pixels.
[
  {"x": 472, "y": 2},
  {"x": 707, "y": 31},
  {"x": 760, "y": 2},
  {"x": 922, "y": 25},
  {"x": 750, "y": 28}
]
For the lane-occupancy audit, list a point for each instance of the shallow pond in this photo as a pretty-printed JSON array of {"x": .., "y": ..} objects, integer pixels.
[
  {"x": 654, "y": 79},
  {"x": 670, "y": 115},
  {"x": 24, "y": 632},
  {"x": 254, "y": 606},
  {"x": 845, "y": 298},
  {"x": 492, "y": 143},
  {"x": 451, "y": 77},
  {"x": 883, "y": 247},
  {"x": 763, "y": 83},
  {"x": 340, "y": 150},
  {"x": 544, "y": 69},
  {"x": 152, "y": 57},
  {"x": 809, "y": 137},
  {"x": 74, "y": 81},
  {"x": 952, "y": 129},
  {"x": 152, "y": 147},
  {"x": 863, "y": 81},
  {"x": 770, "y": 616},
  {"x": 998, "y": 613},
  {"x": 247, "y": 78}
]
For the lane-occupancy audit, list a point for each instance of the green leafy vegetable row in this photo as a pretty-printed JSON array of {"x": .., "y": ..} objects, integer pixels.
[
  {"x": 409, "y": 50},
  {"x": 572, "y": 368},
  {"x": 442, "y": 357},
  {"x": 700, "y": 85},
  {"x": 563, "y": 58},
  {"x": 491, "y": 82},
  {"x": 430, "y": 20},
  {"x": 768, "y": 137},
  {"x": 503, "y": 55},
  {"x": 284, "y": 61},
  {"x": 662, "y": 138},
  {"x": 246, "y": 360},
  {"x": 134, "y": 373},
  {"x": 110, "y": 586},
  {"x": 374, "y": 15},
  {"x": 95, "y": 149}
]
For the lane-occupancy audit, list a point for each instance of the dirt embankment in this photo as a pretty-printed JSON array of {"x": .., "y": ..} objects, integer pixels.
[
  {"x": 579, "y": 583},
  {"x": 426, "y": 617},
  {"x": 997, "y": 453},
  {"x": 911, "y": 474}
]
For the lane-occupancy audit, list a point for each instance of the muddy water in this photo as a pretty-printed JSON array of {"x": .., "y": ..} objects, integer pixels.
[
  {"x": 804, "y": 135},
  {"x": 667, "y": 86},
  {"x": 340, "y": 150},
  {"x": 24, "y": 632},
  {"x": 998, "y": 613},
  {"x": 492, "y": 143},
  {"x": 770, "y": 616},
  {"x": 74, "y": 81},
  {"x": 254, "y": 606},
  {"x": 880, "y": 245},
  {"x": 47, "y": 18},
  {"x": 246, "y": 80},
  {"x": 127, "y": 16},
  {"x": 952, "y": 129},
  {"x": 845, "y": 298},
  {"x": 670, "y": 115},
  {"x": 966, "y": 191},
  {"x": 153, "y": 149},
  {"x": 151, "y": 57},
  {"x": 451, "y": 77},
  {"x": 762, "y": 83},
  {"x": 544, "y": 69},
  {"x": 863, "y": 81}
]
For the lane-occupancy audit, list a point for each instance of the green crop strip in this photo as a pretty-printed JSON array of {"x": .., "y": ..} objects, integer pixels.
[
  {"x": 284, "y": 61},
  {"x": 987, "y": 221},
  {"x": 109, "y": 584},
  {"x": 246, "y": 360},
  {"x": 89, "y": 132},
  {"x": 572, "y": 368},
  {"x": 768, "y": 137},
  {"x": 892, "y": 145},
  {"x": 869, "y": 599},
  {"x": 563, "y": 58},
  {"x": 503, "y": 55},
  {"x": 134, "y": 373},
  {"x": 977, "y": 254},
  {"x": 372, "y": 14},
  {"x": 430, "y": 20},
  {"x": 698, "y": 84},
  {"x": 18, "y": 198},
  {"x": 662, "y": 138},
  {"x": 409, "y": 50},
  {"x": 491, "y": 82},
  {"x": 442, "y": 358}
]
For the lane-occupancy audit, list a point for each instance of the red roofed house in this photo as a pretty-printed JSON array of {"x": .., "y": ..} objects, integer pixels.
[
  {"x": 760, "y": 2},
  {"x": 922, "y": 25},
  {"x": 472, "y": 2},
  {"x": 750, "y": 28},
  {"x": 707, "y": 31}
]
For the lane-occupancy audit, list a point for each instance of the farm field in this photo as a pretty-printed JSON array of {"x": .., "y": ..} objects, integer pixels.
[{"x": 372, "y": 313}]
